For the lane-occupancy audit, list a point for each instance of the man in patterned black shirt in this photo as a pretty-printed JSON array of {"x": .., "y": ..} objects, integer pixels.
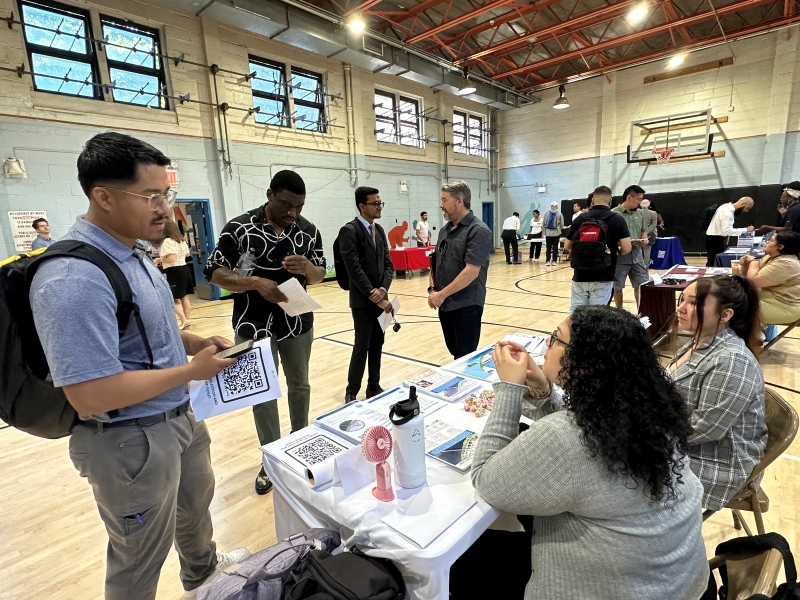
[{"x": 282, "y": 244}]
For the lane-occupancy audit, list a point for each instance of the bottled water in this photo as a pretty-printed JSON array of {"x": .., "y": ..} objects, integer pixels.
[{"x": 246, "y": 264}]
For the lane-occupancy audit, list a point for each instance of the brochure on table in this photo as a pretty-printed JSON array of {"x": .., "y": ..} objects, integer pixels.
[
  {"x": 444, "y": 385},
  {"x": 352, "y": 420},
  {"x": 479, "y": 364}
]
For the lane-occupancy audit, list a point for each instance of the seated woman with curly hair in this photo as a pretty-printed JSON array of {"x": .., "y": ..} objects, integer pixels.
[
  {"x": 616, "y": 512},
  {"x": 719, "y": 376}
]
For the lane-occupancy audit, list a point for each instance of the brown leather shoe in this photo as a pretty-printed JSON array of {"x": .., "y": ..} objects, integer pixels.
[
  {"x": 373, "y": 393},
  {"x": 349, "y": 398}
]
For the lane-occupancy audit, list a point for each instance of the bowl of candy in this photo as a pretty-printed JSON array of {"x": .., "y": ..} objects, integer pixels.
[{"x": 479, "y": 404}]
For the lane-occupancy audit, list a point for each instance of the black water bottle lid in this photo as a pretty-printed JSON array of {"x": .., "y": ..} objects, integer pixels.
[{"x": 405, "y": 410}]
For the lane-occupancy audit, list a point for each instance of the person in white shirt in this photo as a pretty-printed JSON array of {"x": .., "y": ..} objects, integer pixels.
[
  {"x": 173, "y": 260},
  {"x": 536, "y": 233},
  {"x": 509, "y": 237},
  {"x": 576, "y": 210},
  {"x": 722, "y": 226},
  {"x": 422, "y": 230}
]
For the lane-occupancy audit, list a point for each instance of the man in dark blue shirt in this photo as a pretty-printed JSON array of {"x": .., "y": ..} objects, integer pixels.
[{"x": 594, "y": 286}]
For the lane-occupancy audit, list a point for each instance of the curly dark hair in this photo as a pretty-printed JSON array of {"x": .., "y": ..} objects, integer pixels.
[{"x": 629, "y": 410}]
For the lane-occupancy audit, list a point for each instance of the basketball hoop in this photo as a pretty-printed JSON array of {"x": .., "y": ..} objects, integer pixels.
[{"x": 663, "y": 155}]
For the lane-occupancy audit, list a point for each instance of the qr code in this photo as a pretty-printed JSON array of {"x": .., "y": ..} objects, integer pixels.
[
  {"x": 243, "y": 378},
  {"x": 315, "y": 450}
]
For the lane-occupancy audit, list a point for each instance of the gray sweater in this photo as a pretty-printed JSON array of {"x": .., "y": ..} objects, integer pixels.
[
  {"x": 559, "y": 223},
  {"x": 596, "y": 535}
]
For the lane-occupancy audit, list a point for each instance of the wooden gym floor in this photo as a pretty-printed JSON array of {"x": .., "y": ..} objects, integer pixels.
[{"x": 54, "y": 542}]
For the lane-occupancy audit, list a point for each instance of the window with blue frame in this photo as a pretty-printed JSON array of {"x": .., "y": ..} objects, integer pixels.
[
  {"x": 135, "y": 67},
  {"x": 59, "y": 47}
]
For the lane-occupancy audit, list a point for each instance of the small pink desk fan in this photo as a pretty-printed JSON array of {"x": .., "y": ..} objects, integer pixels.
[{"x": 377, "y": 446}]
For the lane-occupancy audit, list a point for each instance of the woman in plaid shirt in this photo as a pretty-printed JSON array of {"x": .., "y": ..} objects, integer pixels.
[{"x": 719, "y": 375}]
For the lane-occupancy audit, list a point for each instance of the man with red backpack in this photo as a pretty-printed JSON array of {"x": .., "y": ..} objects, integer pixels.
[{"x": 594, "y": 240}]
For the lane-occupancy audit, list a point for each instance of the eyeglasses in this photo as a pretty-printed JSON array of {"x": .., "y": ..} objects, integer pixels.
[
  {"x": 554, "y": 338},
  {"x": 154, "y": 201},
  {"x": 376, "y": 203}
]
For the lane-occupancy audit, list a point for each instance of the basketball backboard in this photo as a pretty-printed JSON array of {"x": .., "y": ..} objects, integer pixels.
[{"x": 686, "y": 134}]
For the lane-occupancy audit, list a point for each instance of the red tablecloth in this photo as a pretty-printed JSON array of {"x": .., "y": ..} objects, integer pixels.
[{"x": 411, "y": 258}]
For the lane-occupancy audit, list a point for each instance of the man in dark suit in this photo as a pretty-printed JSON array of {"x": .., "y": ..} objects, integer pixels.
[{"x": 365, "y": 253}]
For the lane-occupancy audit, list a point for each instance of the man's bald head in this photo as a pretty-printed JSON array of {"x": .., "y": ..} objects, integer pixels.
[{"x": 745, "y": 203}]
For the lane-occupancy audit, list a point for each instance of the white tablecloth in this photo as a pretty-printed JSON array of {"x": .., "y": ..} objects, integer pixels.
[{"x": 358, "y": 518}]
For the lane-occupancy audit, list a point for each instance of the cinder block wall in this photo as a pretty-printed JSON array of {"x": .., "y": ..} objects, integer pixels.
[
  {"x": 47, "y": 131},
  {"x": 574, "y": 150}
]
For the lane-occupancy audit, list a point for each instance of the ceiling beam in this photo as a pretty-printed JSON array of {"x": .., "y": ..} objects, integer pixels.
[
  {"x": 399, "y": 17},
  {"x": 512, "y": 15},
  {"x": 540, "y": 35},
  {"x": 644, "y": 58},
  {"x": 365, "y": 6},
  {"x": 634, "y": 37},
  {"x": 457, "y": 21},
  {"x": 672, "y": 16}
]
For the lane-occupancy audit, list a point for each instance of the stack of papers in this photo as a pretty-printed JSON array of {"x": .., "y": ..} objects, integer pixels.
[
  {"x": 443, "y": 385},
  {"x": 480, "y": 365},
  {"x": 309, "y": 449}
]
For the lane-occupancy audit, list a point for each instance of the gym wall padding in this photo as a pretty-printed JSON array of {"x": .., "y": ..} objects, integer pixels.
[{"x": 682, "y": 211}]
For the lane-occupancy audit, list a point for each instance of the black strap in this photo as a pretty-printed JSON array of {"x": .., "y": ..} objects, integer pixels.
[
  {"x": 119, "y": 283},
  {"x": 403, "y": 420}
]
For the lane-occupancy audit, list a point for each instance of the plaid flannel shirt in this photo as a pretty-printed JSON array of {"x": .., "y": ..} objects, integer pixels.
[{"x": 724, "y": 387}]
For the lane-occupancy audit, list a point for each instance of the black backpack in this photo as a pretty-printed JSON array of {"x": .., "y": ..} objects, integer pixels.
[
  {"x": 752, "y": 545},
  {"x": 589, "y": 250},
  {"x": 708, "y": 215},
  {"x": 28, "y": 399},
  {"x": 346, "y": 576}
]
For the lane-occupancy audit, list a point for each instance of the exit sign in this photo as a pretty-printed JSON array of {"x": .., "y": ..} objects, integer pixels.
[{"x": 172, "y": 175}]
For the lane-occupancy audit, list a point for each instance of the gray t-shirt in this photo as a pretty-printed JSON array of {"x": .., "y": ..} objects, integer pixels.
[
  {"x": 74, "y": 308},
  {"x": 636, "y": 225},
  {"x": 468, "y": 244}
]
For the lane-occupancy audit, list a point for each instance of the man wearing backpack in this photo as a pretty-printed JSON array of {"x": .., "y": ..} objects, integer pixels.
[
  {"x": 553, "y": 224},
  {"x": 594, "y": 240},
  {"x": 138, "y": 444},
  {"x": 365, "y": 256},
  {"x": 280, "y": 244}
]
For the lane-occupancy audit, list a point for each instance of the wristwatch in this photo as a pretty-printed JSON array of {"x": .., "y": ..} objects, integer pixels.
[{"x": 430, "y": 289}]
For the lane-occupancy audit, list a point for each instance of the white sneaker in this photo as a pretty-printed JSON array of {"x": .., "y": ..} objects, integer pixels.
[{"x": 223, "y": 562}]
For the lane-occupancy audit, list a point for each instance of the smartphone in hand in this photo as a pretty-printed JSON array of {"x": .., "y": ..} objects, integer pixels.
[{"x": 236, "y": 351}]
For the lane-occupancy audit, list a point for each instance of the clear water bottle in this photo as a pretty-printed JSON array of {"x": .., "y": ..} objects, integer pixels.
[
  {"x": 246, "y": 264},
  {"x": 408, "y": 433}
]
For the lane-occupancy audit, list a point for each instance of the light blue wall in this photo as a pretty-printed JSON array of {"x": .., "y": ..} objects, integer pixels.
[{"x": 50, "y": 151}]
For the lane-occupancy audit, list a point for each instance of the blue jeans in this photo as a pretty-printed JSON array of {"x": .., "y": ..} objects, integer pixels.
[{"x": 590, "y": 292}]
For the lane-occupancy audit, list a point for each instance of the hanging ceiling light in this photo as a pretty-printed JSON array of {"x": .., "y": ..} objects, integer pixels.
[
  {"x": 675, "y": 61},
  {"x": 562, "y": 101},
  {"x": 637, "y": 13},
  {"x": 467, "y": 87},
  {"x": 356, "y": 24}
]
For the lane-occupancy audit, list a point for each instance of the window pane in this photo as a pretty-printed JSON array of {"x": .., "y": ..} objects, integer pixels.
[
  {"x": 386, "y": 131},
  {"x": 146, "y": 88},
  {"x": 269, "y": 80},
  {"x": 137, "y": 46},
  {"x": 273, "y": 112},
  {"x": 306, "y": 88},
  {"x": 475, "y": 123},
  {"x": 72, "y": 38},
  {"x": 80, "y": 75},
  {"x": 409, "y": 136},
  {"x": 307, "y": 118}
]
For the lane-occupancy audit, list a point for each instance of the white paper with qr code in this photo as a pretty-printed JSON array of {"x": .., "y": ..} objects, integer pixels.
[
  {"x": 250, "y": 380},
  {"x": 309, "y": 451}
]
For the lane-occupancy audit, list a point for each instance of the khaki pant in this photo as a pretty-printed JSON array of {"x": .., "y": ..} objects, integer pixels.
[
  {"x": 774, "y": 312},
  {"x": 152, "y": 486},
  {"x": 295, "y": 353}
]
